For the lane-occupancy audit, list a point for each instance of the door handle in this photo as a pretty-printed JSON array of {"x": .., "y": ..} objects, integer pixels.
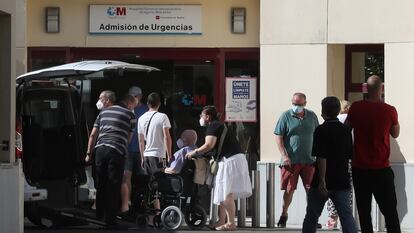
[{"x": 5, "y": 145}]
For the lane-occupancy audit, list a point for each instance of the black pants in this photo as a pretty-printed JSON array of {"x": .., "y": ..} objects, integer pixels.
[
  {"x": 380, "y": 183},
  {"x": 152, "y": 165},
  {"x": 109, "y": 173}
]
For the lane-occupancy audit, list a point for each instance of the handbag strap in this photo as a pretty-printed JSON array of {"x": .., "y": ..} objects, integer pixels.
[
  {"x": 223, "y": 135},
  {"x": 149, "y": 122}
]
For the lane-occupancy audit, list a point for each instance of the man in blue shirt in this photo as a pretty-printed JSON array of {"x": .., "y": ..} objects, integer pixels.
[
  {"x": 133, "y": 159},
  {"x": 294, "y": 138},
  {"x": 186, "y": 143}
]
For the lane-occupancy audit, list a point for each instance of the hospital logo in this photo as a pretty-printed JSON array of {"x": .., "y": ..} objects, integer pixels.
[{"x": 116, "y": 11}]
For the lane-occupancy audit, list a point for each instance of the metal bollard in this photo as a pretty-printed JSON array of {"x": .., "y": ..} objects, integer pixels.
[
  {"x": 256, "y": 198},
  {"x": 270, "y": 207},
  {"x": 213, "y": 209},
  {"x": 241, "y": 215}
]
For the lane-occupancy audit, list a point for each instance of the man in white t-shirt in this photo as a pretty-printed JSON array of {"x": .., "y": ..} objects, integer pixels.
[{"x": 154, "y": 136}]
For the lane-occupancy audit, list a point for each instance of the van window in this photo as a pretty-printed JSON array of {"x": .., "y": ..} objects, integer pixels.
[
  {"x": 48, "y": 113},
  {"x": 49, "y": 109}
]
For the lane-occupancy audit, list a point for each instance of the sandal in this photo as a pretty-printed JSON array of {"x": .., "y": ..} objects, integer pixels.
[
  {"x": 215, "y": 225},
  {"x": 227, "y": 227}
]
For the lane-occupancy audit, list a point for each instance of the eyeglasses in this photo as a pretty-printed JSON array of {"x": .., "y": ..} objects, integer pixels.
[{"x": 301, "y": 105}]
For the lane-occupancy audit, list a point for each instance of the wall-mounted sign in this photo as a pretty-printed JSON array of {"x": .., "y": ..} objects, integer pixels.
[
  {"x": 241, "y": 101},
  {"x": 145, "y": 19}
]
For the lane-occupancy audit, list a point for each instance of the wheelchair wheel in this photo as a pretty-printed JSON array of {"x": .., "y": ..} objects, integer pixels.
[
  {"x": 195, "y": 216},
  {"x": 141, "y": 221},
  {"x": 171, "y": 217}
]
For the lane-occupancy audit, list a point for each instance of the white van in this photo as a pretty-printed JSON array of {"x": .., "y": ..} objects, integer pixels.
[{"x": 52, "y": 134}]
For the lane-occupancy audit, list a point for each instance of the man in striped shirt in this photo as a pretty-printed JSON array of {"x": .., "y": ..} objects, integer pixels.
[{"x": 112, "y": 132}]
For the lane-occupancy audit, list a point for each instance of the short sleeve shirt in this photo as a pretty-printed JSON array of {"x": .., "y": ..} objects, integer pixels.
[
  {"x": 333, "y": 141},
  {"x": 154, "y": 140},
  {"x": 372, "y": 122},
  {"x": 133, "y": 145},
  {"x": 114, "y": 124},
  {"x": 297, "y": 135},
  {"x": 179, "y": 158},
  {"x": 230, "y": 145}
]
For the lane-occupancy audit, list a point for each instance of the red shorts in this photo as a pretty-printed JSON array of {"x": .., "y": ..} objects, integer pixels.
[{"x": 290, "y": 176}]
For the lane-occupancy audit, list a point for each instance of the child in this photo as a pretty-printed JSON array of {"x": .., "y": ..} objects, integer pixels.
[
  {"x": 332, "y": 146},
  {"x": 186, "y": 143}
]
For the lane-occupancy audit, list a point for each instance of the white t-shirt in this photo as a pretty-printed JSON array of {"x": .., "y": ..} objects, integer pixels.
[
  {"x": 154, "y": 141},
  {"x": 342, "y": 117}
]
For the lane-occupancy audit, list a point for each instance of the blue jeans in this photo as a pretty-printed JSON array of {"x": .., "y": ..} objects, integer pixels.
[{"x": 316, "y": 202}]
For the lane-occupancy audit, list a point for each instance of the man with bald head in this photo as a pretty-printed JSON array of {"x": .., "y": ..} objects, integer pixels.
[
  {"x": 373, "y": 122},
  {"x": 294, "y": 138},
  {"x": 186, "y": 143}
]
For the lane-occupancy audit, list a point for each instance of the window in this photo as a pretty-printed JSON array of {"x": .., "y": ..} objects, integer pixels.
[{"x": 361, "y": 62}]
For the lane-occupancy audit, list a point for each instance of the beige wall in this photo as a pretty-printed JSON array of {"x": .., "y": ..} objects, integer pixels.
[
  {"x": 21, "y": 48},
  {"x": 293, "y": 24},
  {"x": 11, "y": 193},
  {"x": 7, "y": 75},
  {"x": 399, "y": 60},
  {"x": 336, "y": 71},
  {"x": 286, "y": 69},
  {"x": 292, "y": 21},
  {"x": 370, "y": 21},
  {"x": 216, "y": 26}
]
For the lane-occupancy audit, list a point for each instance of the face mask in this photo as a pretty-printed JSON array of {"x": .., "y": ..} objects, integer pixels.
[
  {"x": 202, "y": 122},
  {"x": 297, "y": 109},
  {"x": 99, "y": 105},
  {"x": 180, "y": 143}
]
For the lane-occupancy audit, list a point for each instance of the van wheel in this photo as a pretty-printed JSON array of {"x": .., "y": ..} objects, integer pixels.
[
  {"x": 32, "y": 213},
  {"x": 36, "y": 220},
  {"x": 41, "y": 217}
]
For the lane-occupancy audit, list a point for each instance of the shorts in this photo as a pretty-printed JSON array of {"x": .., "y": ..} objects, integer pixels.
[
  {"x": 153, "y": 165},
  {"x": 133, "y": 163},
  {"x": 290, "y": 176}
]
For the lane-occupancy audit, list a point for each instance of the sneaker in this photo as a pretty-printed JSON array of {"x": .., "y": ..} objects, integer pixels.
[
  {"x": 282, "y": 221},
  {"x": 126, "y": 216}
]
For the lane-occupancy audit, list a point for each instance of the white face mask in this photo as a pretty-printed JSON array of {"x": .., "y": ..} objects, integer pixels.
[
  {"x": 202, "y": 122},
  {"x": 180, "y": 143},
  {"x": 297, "y": 109},
  {"x": 99, "y": 105}
]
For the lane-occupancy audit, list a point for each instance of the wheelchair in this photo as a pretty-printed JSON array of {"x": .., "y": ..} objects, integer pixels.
[{"x": 178, "y": 200}]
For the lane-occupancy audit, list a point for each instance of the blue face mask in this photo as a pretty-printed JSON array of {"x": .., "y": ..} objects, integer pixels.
[{"x": 297, "y": 109}]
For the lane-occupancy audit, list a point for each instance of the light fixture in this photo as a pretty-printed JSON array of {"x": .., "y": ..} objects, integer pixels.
[
  {"x": 52, "y": 19},
  {"x": 238, "y": 18}
]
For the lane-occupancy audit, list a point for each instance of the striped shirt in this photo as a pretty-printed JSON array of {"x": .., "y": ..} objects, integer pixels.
[{"x": 114, "y": 124}]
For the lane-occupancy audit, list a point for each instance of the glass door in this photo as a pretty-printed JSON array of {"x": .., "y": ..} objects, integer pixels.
[
  {"x": 361, "y": 62},
  {"x": 192, "y": 89}
]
